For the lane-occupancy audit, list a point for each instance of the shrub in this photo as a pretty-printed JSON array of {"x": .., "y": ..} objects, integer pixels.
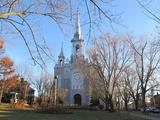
[
  {"x": 35, "y": 105},
  {"x": 19, "y": 105},
  {"x": 52, "y": 109}
]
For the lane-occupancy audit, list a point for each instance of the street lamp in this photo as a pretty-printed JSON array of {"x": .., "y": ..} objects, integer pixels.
[{"x": 55, "y": 86}]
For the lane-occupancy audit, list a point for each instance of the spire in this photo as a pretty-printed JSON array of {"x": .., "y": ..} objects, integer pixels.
[
  {"x": 61, "y": 57},
  {"x": 78, "y": 27},
  {"x": 61, "y": 53},
  {"x": 78, "y": 34}
]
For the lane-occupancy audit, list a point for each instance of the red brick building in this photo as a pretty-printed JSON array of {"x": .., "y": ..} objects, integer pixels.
[{"x": 155, "y": 101}]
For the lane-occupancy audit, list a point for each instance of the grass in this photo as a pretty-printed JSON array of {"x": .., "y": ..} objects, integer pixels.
[{"x": 8, "y": 114}]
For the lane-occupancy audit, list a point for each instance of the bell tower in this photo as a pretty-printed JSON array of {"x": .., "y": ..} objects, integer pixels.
[{"x": 77, "y": 42}]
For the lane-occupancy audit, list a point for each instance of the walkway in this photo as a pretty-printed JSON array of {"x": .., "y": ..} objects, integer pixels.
[{"x": 143, "y": 116}]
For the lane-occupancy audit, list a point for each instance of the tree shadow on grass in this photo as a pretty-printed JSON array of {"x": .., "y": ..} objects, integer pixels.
[
  {"x": 6, "y": 114},
  {"x": 13, "y": 114}
]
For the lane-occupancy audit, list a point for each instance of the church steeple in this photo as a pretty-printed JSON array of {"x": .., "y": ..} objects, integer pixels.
[
  {"x": 78, "y": 33},
  {"x": 61, "y": 53},
  {"x": 77, "y": 41},
  {"x": 61, "y": 56}
]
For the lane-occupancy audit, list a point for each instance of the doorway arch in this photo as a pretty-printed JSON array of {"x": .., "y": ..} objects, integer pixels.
[{"x": 77, "y": 99}]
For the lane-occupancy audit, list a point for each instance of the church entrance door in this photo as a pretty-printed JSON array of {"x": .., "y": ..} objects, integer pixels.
[{"x": 77, "y": 99}]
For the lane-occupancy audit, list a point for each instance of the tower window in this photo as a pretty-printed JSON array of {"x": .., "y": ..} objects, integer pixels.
[
  {"x": 77, "y": 48},
  {"x": 61, "y": 60}
]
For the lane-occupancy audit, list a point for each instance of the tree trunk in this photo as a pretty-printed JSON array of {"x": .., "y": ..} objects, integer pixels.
[
  {"x": 1, "y": 91},
  {"x": 126, "y": 105},
  {"x": 111, "y": 106},
  {"x": 1, "y": 96},
  {"x": 106, "y": 106},
  {"x": 144, "y": 100},
  {"x": 110, "y": 103},
  {"x": 136, "y": 102},
  {"x": 106, "y": 103},
  {"x": 118, "y": 104}
]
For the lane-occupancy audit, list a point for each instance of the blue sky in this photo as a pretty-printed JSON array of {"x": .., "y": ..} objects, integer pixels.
[{"x": 132, "y": 17}]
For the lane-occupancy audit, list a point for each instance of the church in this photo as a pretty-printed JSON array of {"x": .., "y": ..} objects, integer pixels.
[{"x": 72, "y": 84}]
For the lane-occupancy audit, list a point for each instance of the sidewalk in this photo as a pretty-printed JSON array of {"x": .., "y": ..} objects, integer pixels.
[{"x": 141, "y": 115}]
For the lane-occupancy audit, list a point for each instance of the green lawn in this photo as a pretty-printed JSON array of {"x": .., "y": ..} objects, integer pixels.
[{"x": 8, "y": 114}]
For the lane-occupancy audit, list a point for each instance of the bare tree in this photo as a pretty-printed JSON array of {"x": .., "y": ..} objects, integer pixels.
[
  {"x": 126, "y": 96},
  {"x": 133, "y": 84},
  {"x": 122, "y": 93},
  {"x": 43, "y": 85},
  {"x": 146, "y": 60},
  {"x": 24, "y": 71},
  {"x": 108, "y": 60}
]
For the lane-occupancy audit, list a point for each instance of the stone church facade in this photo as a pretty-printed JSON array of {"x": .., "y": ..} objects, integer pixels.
[{"x": 72, "y": 85}]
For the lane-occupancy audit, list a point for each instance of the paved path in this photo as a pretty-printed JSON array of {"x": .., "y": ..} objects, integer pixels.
[{"x": 143, "y": 116}]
